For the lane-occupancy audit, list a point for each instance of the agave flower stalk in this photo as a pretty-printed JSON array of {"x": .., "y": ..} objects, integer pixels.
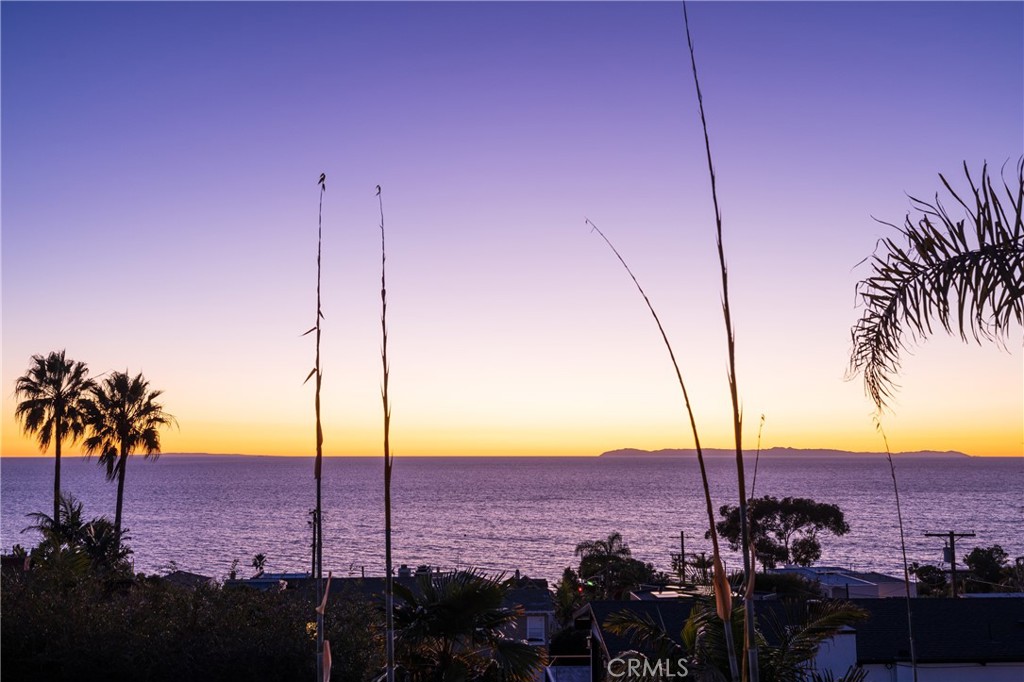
[
  {"x": 723, "y": 591},
  {"x": 750, "y": 644},
  {"x": 757, "y": 460},
  {"x": 318, "y": 543},
  {"x": 903, "y": 547},
  {"x": 389, "y": 584}
]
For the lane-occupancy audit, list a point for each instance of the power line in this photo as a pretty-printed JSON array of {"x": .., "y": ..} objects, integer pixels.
[{"x": 951, "y": 536}]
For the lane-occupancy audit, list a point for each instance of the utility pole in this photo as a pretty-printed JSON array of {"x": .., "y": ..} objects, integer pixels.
[
  {"x": 682, "y": 557},
  {"x": 951, "y": 537}
]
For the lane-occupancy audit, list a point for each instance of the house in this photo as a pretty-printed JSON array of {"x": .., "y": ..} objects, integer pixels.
[
  {"x": 842, "y": 583},
  {"x": 670, "y": 592},
  {"x": 956, "y": 640},
  {"x": 535, "y": 625},
  {"x": 190, "y": 581},
  {"x": 605, "y": 646},
  {"x": 266, "y": 582}
]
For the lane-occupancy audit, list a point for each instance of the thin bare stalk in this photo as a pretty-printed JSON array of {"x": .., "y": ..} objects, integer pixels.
[
  {"x": 757, "y": 457},
  {"x": 723, "y": 592},
  {"x": 903, "y": 546},
  {"x": 318, "y": 549},
  {"x": 389, "y": 586},
  {"x": 748, "y": 610}
]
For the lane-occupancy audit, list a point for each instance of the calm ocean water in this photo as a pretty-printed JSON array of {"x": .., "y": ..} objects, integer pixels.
[{"x": 505, "y": 513}]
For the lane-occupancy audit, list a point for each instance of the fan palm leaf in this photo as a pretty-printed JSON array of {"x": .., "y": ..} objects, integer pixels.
[{"x": 454, "y": 626}]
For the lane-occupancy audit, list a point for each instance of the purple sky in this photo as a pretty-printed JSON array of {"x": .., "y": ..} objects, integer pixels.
[{"x": 159, "y": 166}]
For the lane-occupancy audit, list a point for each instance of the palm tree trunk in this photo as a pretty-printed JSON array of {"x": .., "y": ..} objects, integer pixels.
[
  {"x": 121, "y": 468},
  {"x": 56, "y": 473}
]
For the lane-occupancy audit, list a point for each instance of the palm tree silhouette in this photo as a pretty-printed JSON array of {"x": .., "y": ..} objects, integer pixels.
[
  {"x": 611, "y": 547},
  {"x": 51, "y": 393},
  {"x": 796, "y": 631},
  {"x": 123, "y": 417},
  {"x": 454, "y": 626}
]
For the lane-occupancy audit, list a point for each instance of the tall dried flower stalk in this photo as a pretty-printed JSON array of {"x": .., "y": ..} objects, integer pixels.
[
  {"x": 750, "y": 642},
  {"x": 723, "y": 591},
  {"x": 389, "y": 586},
  {"x": 318, "y": 543}
]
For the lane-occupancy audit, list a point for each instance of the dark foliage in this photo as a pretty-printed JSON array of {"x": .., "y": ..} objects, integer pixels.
[
  {"x": 784, "y": 531},
  {"x": 147, "y": 629},
  {"x": 608, "y": 570},
  {"x": 991, "y": 570},
  {"x": 455, "y": 628},
  {"x": 931, "y": 580}
]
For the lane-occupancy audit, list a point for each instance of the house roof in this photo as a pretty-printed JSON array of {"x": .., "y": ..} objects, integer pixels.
[
  {"x": 532, "y": 595},
  {"x": 671, "y": 615},
  {"x": 836, "y": 575},
  {"x": 186, "y": 579},
  {"x": 945, "y": 630}
]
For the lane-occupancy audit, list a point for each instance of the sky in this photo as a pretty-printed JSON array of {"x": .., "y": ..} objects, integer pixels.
[{"x": 159, "y": 215}]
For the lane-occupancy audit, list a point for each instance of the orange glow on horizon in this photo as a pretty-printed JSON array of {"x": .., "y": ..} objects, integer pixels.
[{"x": 291, "y": 441}]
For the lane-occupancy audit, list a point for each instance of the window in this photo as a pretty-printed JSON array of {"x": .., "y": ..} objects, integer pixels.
[{"x": 535, "y": 628}]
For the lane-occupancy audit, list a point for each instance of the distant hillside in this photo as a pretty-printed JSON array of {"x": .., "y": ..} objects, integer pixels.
[{"x": 775, "y": 452}]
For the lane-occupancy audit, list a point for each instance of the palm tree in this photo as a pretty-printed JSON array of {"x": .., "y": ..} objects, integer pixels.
[
  {"x": 797, "y": 629},
  {"x": 259, "y": 562},
  {"x": 610, "y": 548},
  {"x": 453, "y": 628},
  {"x": 123, "y": 417},
  {"x": 63, "y": 529},
  {"x": 51, "y": 392},
  {"x": 69, "y": 541},
  {"x": 966, "y": 274}
]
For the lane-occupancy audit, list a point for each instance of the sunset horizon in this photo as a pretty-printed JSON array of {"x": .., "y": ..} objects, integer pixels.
[
  {"x": 495, "y": 129},
  {"x": 512, "y": 341}
]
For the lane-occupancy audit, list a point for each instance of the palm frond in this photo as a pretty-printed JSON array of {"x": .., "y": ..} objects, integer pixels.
[
  {"x": 644, "y": 633},
  {"x": 964, "y": 275}
]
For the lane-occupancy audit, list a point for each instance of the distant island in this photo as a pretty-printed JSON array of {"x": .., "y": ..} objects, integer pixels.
[{"x": 775, "y": 452}]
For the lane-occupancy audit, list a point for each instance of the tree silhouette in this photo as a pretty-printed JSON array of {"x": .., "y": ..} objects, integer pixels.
[
  {"x": 454, "y": 627},
  {"x": 784, "y": 531},
  {"x": 123, "y": 417},
  {"x": 50, "y": 395},
  {"x": 610, "y": 563}
]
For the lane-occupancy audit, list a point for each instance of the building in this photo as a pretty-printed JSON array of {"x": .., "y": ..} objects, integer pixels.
[
  {"x": 188, "y": 580},
  {"x": 956, "y": 640},
  {"x": 842, "y": 583},
  {"x": 535, "y": 625}
]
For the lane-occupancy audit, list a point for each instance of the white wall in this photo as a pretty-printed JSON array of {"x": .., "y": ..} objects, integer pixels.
[
  {"x": 837, "y": 654},
  {"x": 958, "y": 672}
]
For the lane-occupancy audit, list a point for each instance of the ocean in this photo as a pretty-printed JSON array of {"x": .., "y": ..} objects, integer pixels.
[{"x": 199, "y": 513}]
